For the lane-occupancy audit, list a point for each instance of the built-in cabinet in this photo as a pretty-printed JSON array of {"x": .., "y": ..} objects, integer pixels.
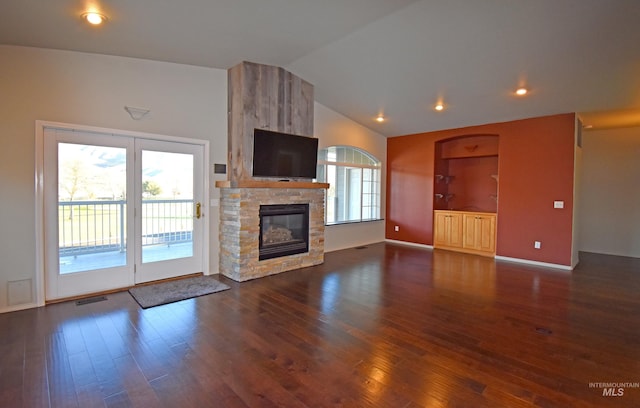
[
  {"x": 465, "y": 231},
  {"x": 466, "y": 194}
]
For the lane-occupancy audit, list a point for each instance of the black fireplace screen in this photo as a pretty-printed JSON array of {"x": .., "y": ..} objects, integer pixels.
[{"x": 284, "y": 230}]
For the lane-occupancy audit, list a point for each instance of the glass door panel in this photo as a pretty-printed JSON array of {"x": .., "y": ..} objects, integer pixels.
[
  {"x": 92, "y": 222},
  {"x": 167, "y": 206}
]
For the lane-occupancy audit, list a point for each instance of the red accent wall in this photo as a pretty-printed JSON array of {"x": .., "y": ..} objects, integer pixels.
[
  {"x": 410, "y": 186},
  {"x": 535, "y": 167}
]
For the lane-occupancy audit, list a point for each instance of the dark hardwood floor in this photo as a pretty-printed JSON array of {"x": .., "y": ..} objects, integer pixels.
[{"x": 382, "y": 326}]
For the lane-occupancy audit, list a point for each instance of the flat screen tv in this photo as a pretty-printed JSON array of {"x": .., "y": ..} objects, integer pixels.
[{"x": 283, "y": 155}]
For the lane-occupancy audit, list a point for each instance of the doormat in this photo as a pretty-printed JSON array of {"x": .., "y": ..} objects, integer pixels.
[{"x": 174, "y": 291}]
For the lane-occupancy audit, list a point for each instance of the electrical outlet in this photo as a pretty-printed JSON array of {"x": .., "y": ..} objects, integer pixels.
[
  {"x": 537, "y": 244},
  {"x": 396, "y": 228},
  {"x": 558, "y": 204}
]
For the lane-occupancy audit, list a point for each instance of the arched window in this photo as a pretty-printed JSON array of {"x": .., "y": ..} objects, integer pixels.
[{"x": 354, "y": 178}]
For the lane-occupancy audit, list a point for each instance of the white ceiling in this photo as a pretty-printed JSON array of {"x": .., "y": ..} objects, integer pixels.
[{"x": 396, "y": 57}]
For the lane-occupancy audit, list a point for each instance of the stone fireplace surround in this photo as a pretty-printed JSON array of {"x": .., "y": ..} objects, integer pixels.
[
  {"x": 240, "y": 227},
  {"x": 264, "y": 97}
]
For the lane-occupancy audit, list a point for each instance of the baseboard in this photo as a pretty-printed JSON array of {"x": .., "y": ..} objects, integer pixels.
[
  {"x": 16, "y": 308},
  {"x": 413, "y": 244},
  {"x": 535, "y": 263},
  {"x": 497, "y": 257},
  {"x": 350, "y": 246}
]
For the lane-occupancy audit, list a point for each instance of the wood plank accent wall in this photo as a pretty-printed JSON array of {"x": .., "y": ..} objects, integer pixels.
[{"x": 266, "y": 97}]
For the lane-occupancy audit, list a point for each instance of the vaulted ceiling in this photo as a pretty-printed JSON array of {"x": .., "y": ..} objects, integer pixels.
[{"x": 391, "y": 57}]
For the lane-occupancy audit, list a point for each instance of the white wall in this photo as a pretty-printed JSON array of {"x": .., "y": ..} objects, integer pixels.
[
  {"x": 92, "y": 90},
  {"x": 334, "y": 129},
  {"x": 610, "y": 192}
]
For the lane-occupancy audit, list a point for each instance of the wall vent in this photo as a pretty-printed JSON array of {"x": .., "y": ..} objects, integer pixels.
[{"x": 19, "y": 292}]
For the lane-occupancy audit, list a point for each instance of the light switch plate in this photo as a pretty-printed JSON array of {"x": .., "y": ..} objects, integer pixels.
[{"x": 558, "y": 204}]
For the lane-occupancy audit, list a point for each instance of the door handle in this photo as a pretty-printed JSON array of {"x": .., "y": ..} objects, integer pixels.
[{"x": 198, "y": 210}]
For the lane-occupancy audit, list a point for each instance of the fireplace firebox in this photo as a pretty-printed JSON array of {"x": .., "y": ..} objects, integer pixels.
[{"x": 284, "y": 230}]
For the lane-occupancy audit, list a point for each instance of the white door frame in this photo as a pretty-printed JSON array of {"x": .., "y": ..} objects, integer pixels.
[{"x": 39, "y": 191}]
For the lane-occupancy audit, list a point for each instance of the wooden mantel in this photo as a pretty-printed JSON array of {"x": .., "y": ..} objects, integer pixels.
[{"x": 269, "y": 184}]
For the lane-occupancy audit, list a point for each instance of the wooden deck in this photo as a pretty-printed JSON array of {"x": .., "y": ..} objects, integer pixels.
[{"x": 381, "y": 326}]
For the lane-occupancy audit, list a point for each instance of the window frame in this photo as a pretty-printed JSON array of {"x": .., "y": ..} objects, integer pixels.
[{"x": 374, "y": 201}]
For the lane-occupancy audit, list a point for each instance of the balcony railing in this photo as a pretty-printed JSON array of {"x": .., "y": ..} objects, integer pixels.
[{"x": 87, "y": 227}]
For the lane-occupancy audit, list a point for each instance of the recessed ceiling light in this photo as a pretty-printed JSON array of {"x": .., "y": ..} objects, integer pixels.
[
  {"x": 94, "y": 18},
  {"x": 439, "y": 106},
  {"x": 521, "y": 91},
  {"x": 380, "y": 118}
]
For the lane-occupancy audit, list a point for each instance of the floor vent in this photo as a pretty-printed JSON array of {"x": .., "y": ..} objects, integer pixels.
[
  {"x": 90, "y": 300},
  {"x": 543, "y": 330}
]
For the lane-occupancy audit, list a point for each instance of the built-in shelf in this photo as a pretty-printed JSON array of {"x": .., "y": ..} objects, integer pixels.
[
  {"x": 473, "y": 159},
  {"x": 270, "y": 184},
  {"x": 446, "y": 179}
]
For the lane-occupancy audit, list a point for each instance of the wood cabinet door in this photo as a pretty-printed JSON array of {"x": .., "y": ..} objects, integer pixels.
[
  {"x": 470, "y": 240},
  {"x": 486, "y": 235},
  {"x": 447, "y": 229},
  {"x": 456, "y": 237},
  {"x": 479, "y": 232},
  {"x": 440, "y": 228}
]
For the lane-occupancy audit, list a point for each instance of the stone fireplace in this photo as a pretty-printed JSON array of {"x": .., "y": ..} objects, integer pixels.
[
  {"x": 267, "y": 97},
  {"x": 240, "y": 231}
]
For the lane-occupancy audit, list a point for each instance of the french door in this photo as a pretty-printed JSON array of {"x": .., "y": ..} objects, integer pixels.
[
  {"x": 168, "y": 231},
  {"x": 119, "y": 210}
]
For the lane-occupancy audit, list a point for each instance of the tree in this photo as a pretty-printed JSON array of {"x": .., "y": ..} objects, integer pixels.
[
  {"x": 151, "y": 188},
  {"x": 73, "y": 177}
]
